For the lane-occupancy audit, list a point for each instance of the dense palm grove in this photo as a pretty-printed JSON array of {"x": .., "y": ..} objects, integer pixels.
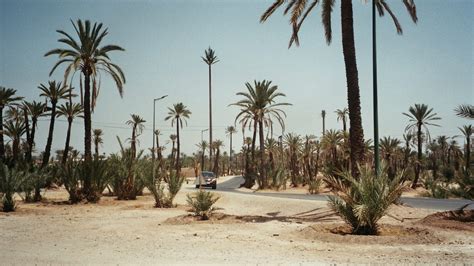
[{"x": 340, "y": 160}]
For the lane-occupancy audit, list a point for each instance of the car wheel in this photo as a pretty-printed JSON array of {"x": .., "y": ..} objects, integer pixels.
[{"x": 197, "y": 186}]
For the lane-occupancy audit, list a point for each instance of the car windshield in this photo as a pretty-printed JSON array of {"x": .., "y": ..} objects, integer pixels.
[{"x": 207, "y": 174}]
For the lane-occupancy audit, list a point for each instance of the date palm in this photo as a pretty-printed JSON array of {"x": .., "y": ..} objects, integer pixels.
[
  {"x": 14, "y": 129},
  {"x": 465, "y": 110},
  {"x": 35, "y": 111},
  {"x": 389, "y": 147},
  {"x": 86, "y": 55},
  {"x": 342, "y": 116},
  {"x": 420, "y": 117},
  {"x": 467, "y": 131},
  {"x": 7, "y": 97},
  {"x": 202, "y": 146},
  {"x": 210, "y": 59},
  {"x": 70, "y": 112},
  {"x": 178, "y": 114},
  {"x": 230, "y": 131},
  {"x": 54, "y": 92},
  {"x": 97, "y": 135},
  {"x": 299, "y": 11},
  {"x": 323, "y": 115},
  {"x": 216, "y": 145},
  {"x": 137, "y": 124},
  {"x": 260, "y": 103}
]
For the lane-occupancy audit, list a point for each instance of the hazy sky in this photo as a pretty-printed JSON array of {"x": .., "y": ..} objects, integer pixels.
[{"x": 431, "y": 63}]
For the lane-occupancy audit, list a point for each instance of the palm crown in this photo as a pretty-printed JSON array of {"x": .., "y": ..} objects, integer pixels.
[{"x": 54, "y": 91}]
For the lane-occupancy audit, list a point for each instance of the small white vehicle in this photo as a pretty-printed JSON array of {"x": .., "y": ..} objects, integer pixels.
[{"x": 208, "y": 179}]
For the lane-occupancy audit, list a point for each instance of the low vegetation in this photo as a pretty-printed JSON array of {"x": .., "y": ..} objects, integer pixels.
[{"x": 201, "y": 203}]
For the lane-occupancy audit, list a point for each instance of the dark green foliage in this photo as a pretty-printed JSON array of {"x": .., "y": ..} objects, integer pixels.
[
  {"x": 201, "y": 203},
  {"x": 10, "y": 182},
  {"x": 314, "y": 186},
  {"x": 279, "y": 177},
  {"x": 465, "y": 188},
  {"x": 362, "y": 201}
]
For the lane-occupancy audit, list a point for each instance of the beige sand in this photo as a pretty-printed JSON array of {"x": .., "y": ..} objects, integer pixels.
[{"x": 290, "y": 232}]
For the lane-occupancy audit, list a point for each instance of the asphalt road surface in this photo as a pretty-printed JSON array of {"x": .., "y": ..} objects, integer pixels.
[{"x": 232, "y": 184}]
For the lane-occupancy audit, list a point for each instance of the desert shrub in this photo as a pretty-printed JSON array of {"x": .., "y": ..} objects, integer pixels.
[
  {"x": 279, "y": 178},
  {"x": 465, "y": 185},
  {"x": 362, "y": 201},
  {"x": 448, "y": 173},
  {"x": 175, "y": 182},
  {"x": 314, "y": 185},
  {"x": 34, "y": 180},
  {"x": 202, "y": 203},
  {"x": 10, "y": 182},
  {"x": 435, "y": 188},
  {"x": 163, "y": 198},
  {"x": 70, "y": 175}
]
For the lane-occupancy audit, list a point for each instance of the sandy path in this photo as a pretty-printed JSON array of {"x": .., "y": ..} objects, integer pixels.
[{"x": 118, "y": 232}]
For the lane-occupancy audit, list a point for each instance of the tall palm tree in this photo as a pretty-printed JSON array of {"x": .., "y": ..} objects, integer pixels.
[
  {"x": 210, "y": 59},
  {"x": 341, "y": 116},
  {"x": 420, "y": 117},
  {"x": 173, "y": 149},
  {"x": 293, "y": 144},
  {"x": 203, "y": 145},
  {"x": 467, "y": 131},
  {"x": 35, "y": 110},
  {"x": 137, "y": 123},
  {"x": 389, "y": 147},
  {"x": 465, "y": 110},
  {"x": 97, "y": 135},
  {"x": 177, "y": 114},
  {"x": 299, "y": 11},
  {"x": 230, "y": 130},
  {"x": 216, "y": 145},
  {"x": 54, "y": 92},
  {"x": 323, "y": 115},
  {"x": 331, "y": 142},
  {"x": 70, "y": 112},
  {"x": 260, "y": 103},
  {"x": 87, "y": 56},
  {"x": 7, "y": 97}
]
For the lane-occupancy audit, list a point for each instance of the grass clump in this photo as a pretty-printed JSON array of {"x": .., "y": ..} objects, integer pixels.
[
  {"x": 202, "y": 203},
  {"x": 361, "y": 202}
]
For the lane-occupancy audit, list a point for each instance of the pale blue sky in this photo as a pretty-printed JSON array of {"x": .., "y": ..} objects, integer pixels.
[{"x": 431, "y": 63}]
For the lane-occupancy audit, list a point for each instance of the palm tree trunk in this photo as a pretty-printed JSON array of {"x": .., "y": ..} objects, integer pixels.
[
  {"x": 49, "y": 142},
  {"x": 356, "y": 133},
  {"x": 178, "y": 166},
  {"x": 216, "y": 162},
  {"x": 27, "y": 126},
  {"x": 210, "y": 115},
  {"x": 2, "y": 145},
  {"x": 87, "y": 129},
  {"x": 68, "y": 137},
  {"x": 254, "y": 138},
  {"x": 420, "y": 153},
  {"x": 31, "y": 140},
  {"x": 263, "y": 174},
  {"x": 230, "y": 155}
]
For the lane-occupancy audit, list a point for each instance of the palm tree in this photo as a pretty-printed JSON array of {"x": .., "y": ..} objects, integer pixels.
[
  {"x": 323, "y": 115},
  {"x": 202, "y": 146},
  {"x": 331, "y": 142},
  {"x": 97, "y": 135},
  {"x": 14, "y": 129},
  {"x": 54, "y": 92},
  {"x": 210, "y": 59},
  {"x": 230, "y": 130},
  {"x": 341, "y": 116},
  {"x": 216, "y": 145},
  {"x": 87, "y": 57},
  {"x": 467, "y": 131},
  {"x": 299, "y": 10},
  {"x": 35, "y": 110},
  {"x": 293, "y": 144},
  {"x": 178, "y": 113},
  {"x": 7, "y": 97},
  {"x": 420, "y": 117},
  {"x": 173, "y": 149},
  {"x": 70, "y": 112},
  {"x": 260, "y": 104},
  {"x": 465, "y": 110},
  {"x": 138, "y": 126},
  {"x": 389, "y": 147}
]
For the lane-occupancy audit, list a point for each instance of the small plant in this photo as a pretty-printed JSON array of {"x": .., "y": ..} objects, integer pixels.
[
  {"x": 202, "y": 203},
  {"x": 465, "y": 185},
  {"x": 163, "y": 199},
  {"x": 279, "y": 178},
  {"x": 10, "y": 183},
  {"x": 436, "y": 189},
  {"x": 70, "y": 176},
  {"x": 362, "y": 201},
  {"x": 314, "y": 186}
]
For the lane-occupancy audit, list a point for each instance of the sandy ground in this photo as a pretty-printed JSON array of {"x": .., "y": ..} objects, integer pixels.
[{"x": 257, "y": 230}]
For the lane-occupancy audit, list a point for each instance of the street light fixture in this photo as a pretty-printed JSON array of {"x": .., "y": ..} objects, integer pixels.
[{"x": 153, "y": 149}]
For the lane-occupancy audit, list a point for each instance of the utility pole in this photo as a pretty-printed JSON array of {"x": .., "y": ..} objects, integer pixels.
[
  {"x": 153, "y": 149},
  {"x": 376, "y": 115}
]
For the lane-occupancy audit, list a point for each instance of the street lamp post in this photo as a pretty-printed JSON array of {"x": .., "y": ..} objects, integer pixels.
[
  {"x": 202, "y": 155},
  {"x": 153, "y": 149},
  {"x": 376, "y": 115}
]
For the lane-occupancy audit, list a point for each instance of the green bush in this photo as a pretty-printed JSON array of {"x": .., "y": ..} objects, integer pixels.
[
  {"x": 362, "y": 201},
  {"x": 70, "y": 174},
  {"x": 436, "y": 189},
  {"x": 163, "y": 199},
  {"x": 10, "y": 182},
  {"x": 279, "y": 178},
  {"x": 35, "y": 179},
  {"x": 201, "y": 203},
  {"x": 465, "y": 185}
]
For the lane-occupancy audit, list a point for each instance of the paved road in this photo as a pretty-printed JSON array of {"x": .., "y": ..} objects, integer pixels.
[{"x": 232, "y": 184}]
